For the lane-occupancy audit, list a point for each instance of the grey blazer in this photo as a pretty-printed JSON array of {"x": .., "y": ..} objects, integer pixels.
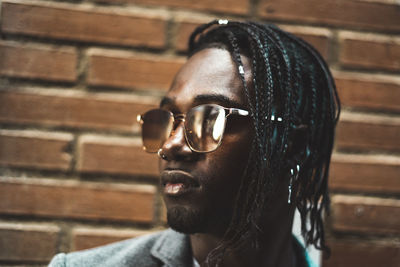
[
  {"x": 163, "y": 249},
  {"x": 167, "y": 248}
]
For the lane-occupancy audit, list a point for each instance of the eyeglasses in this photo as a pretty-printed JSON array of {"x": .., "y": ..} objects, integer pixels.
[{"x": 204, "y": 126}]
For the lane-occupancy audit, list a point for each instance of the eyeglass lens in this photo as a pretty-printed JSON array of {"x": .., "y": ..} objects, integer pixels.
[
  {"x": 204, "y": 127},
  {"x": 156, "y": 128}
]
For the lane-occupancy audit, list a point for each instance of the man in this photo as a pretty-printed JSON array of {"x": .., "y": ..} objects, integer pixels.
[{"x": 244, "y": 136}]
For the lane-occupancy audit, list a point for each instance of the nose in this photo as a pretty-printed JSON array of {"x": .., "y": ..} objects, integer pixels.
[{"x": 175, "y": 147}]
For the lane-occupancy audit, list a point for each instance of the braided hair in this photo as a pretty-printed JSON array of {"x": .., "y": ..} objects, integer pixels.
[{"x": 291, "y": 81}]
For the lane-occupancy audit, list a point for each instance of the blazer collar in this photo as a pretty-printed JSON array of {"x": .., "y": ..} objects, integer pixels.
[{"x": 173, "y": 249}]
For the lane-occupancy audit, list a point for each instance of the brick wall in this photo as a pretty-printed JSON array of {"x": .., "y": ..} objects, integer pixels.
[{"x": 74, "y": 75}]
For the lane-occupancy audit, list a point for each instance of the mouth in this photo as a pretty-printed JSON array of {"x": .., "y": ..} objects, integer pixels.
[{"x": 178, "y": 182}]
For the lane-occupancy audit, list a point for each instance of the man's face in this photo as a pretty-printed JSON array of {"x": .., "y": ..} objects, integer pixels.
[{"x": 199, "y": 189}]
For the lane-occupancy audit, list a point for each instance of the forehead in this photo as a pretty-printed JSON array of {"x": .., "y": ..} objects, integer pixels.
[{"x": 210, "y": 71}]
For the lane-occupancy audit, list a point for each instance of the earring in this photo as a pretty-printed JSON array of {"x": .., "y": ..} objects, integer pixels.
[
  {"x": 293, "y": 176},
  {"x": 161, "y": 155}
]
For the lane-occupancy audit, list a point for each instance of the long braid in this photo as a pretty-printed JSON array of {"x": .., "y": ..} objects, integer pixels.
[
  {"x": 233, "y": 239},
  {"x": 259, "y": 148}
]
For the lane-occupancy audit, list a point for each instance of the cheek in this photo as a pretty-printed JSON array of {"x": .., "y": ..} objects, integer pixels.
[
  {"x": 236, "y": 147},
  {"x": 227, "y": 164}
]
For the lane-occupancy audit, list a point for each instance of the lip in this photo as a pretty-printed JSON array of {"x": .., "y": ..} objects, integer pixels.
[{"x": 176, "y": 182}]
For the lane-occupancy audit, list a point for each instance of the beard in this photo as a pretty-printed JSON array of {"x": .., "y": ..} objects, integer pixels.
[
  {"x": 186, "y": 220},
  {"x": 191, "y": 221}
]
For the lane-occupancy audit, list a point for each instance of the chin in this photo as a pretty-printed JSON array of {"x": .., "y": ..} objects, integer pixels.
[
  {"x": 193, "y": 221},
  {"x": 186, "y": 220}
]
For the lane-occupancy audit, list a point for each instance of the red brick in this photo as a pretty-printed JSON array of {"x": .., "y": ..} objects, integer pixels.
[
  {"x": 365, "y": 214},
  {"x": 377, "y": 92},
  {"x": 364, "y": 51},
  {"x": 184, "y": 30},
  {"x": 73, "y": 22},
  {"x": 28, "y": 242},
  {"x": 365, "y": 173},
  {"x": 84, "y": 238},
  {"x": 368, "y": 132},
  {"x": 77, "y": 200},
  {"x": 360, "y": 253},
  {"x": 358, "y": 14},
  {"x": 33, "y": 149},
  {"x": 123, "y": 69},
  {"x": 163, "y": 209},
  {"x": 319, "y": 42},
  {"x": 36, "y": 62},
  {"x": 226, "y": 6},
  {"x": 73, "y": 109},
  {"x": 115, "y": 156}
]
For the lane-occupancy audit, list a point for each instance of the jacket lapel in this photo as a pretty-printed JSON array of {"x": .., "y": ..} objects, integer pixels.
[{"x": 173, "y": 249}]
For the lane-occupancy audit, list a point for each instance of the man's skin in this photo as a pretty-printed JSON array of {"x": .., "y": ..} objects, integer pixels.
[{"x": 204, "y": 206}]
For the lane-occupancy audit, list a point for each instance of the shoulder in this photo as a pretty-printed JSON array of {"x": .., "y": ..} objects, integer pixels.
[{"x": 132, "y": 252}]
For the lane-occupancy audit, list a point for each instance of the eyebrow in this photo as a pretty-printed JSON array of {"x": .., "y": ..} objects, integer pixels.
[
  {"x": 205, "y": 99},
  {"x": 165, "y": 101}
]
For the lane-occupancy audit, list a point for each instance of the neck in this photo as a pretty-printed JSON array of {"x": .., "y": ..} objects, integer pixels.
[{"x": 275, "y": 249}]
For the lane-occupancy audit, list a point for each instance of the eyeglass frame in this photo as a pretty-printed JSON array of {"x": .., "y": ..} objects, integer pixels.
[{"x": 181, "y": 116}]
